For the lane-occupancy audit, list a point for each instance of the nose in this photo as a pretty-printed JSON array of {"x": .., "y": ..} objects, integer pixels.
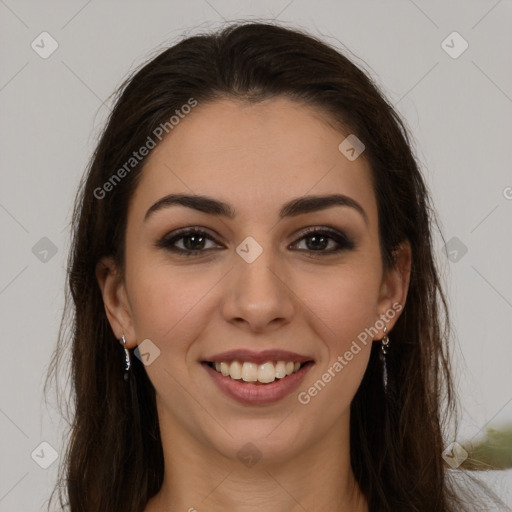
[{"x": 258, "y": 297}]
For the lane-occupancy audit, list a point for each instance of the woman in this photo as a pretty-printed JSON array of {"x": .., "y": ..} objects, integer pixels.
[{"x": 253, "y": 242}]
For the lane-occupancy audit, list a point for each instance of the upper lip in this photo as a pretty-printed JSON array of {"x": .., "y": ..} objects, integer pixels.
[{"x": 258, "y": 357}]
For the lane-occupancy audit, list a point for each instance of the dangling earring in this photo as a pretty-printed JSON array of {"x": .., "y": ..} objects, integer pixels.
[
  {"x": 384, "y": 350},
  {"x": 127, "y": 363}
]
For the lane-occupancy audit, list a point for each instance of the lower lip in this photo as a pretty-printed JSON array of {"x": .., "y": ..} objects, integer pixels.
[{"x": 255, "y": 394}]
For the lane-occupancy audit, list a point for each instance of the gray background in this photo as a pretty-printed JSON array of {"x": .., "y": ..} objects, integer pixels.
[{"x": 459, "y": 111}]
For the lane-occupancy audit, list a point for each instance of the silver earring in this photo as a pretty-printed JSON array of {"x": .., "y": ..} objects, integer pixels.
[
  {"x": 385, "y": 342},
  {"x": 127, "y": 363}
]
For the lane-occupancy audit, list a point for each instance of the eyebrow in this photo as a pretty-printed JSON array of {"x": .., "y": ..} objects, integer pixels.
[{"x": 297, "y": 206}]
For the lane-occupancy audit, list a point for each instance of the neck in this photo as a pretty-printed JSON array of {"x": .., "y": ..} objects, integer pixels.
[{"x": 317, "y": 478}]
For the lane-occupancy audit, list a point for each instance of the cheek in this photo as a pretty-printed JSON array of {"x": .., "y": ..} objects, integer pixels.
[
  {"x": 170, "y": 308},
  {"x": 169, "y": 302},
  {"x": 344, "y": 303},
  {"x": 341, "y": 311},
  {"x": 172, "y": 303}
]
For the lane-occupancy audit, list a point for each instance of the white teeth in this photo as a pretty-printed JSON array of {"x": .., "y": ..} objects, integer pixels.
[
  {"x": 224, "y": 369},
  {"x": 280, "y": 370},
  {"x": 252, "y": 372},
  {"x": 235, "y": 370},
  {"x": 266, "y": 373}
]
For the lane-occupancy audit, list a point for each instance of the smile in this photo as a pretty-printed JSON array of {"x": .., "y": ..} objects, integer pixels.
[
  {"x": 245, "y": 386},
  {"x": 253, "y": 372}
]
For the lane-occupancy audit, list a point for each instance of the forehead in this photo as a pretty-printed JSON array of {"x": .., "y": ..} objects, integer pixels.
[{"x": 255, "y": 156}]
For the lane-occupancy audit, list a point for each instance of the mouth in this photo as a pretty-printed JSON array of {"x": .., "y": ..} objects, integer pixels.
[
  {"x": 257, "y": 378},
  {"x": 257, "y": 374}
]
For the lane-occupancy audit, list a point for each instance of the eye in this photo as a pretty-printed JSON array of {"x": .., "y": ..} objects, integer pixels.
[
  {"x": 318, "y": 239},
  {"x": 193, "y": 240}
]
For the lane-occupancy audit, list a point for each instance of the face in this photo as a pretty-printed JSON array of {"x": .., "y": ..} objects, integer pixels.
[{"x": 199, "y": 284}]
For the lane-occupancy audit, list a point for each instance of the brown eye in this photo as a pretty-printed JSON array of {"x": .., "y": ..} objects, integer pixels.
[
  {"x": 319, "y": 239},
  {"x": 192, "y": 241}
]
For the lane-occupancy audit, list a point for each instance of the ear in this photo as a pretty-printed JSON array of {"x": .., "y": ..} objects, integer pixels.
[
  {"x": 115, "y": 299},
  {"x": 394, "y": 287}
]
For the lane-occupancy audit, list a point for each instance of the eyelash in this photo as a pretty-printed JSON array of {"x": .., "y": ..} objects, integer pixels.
[{"x": 340, "y": 238}]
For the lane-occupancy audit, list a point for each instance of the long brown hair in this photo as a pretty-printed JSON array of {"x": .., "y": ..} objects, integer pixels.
[{"x": 114, "y": 459}]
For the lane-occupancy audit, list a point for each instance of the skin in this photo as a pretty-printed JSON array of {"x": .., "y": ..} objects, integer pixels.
[{"x": 255, "y": 157}]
